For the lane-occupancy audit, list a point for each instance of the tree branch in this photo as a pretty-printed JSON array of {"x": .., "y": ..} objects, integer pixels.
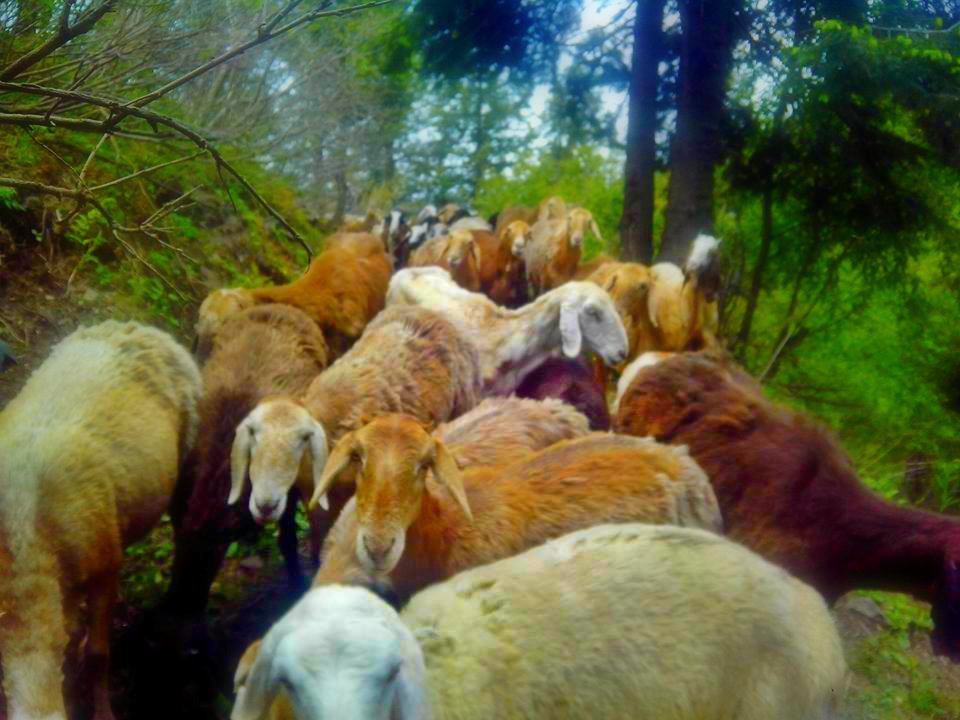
[{"x": 65, "y": 34}]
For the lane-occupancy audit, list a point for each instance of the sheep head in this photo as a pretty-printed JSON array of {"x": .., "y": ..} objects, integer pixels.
[
  {"x": 448, "y": 213},
  {"x": 588, "y": 318},
  {"x": 216, "y": 308},
  {"x": 340, "y": 652},
  {"x": 392, "y": 458},
  {"x": 518, "y": 234},
  {"x": 552, "y": 208},
  {"x": 579, "y": 221},
  {"x": 273, "y": 441},
  {"x": 460, "y": 248}
]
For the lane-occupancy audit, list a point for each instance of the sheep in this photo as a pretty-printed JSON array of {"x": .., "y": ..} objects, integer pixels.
[
  {"x": 789, "y": 492},
  {"x": 574, "y": 317},
  {"x": 357, "y": 224},
  {"x": 409, "y": 360},
  {"x": 554, "y": 250},
  {"x": 502, "y": 275},
  {"x": 610, "y": 622},
  {"x": 682, "y": 304},
  {"x": 470, "y": 222},
  {"x": 499, "y": 431},
  {"x": 586, "y": 269},
  {"x": 266, "y": 351},
  {"x": 360, "y": 243},
  {"x": 628, "y": 284},
  {"x": 457, "y": 253},
  {"x": 552, "y": 208},
  {"x": 217, "y": 307},
  {"x": 394, "y": 232},
  {"x": 89, "y": 454},
  {"x": 341, "y": 291},
  {"x": 627, "y": 377},
  {"x": 514, "y": 214},
  {"x": 403, "y": 530},
  {"x": 570, "y": 381},
  {"x": 452, "y": 212}
]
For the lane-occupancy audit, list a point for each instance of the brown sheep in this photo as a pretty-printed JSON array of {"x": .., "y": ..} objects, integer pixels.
[
  {"x": 456, "y": 253},
  {"x": 628, "y": 285},
  {"x": 410, "y": 532},
  {"x": 553, "y": 253},
  {"x": 790, "y": 493},
  {"x": 514, "y": 214},
  {"x": 265, "y": 351},
  {"x": 341, "y": 291},
  {"x": 362, "y": 244},
  {"x": 586, "y": 269},
  {"x": 355, "y": 224},
  {"x": 502, "y": 274}
]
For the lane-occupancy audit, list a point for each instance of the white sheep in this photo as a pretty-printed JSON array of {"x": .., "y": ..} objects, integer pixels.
[
  {"x": 89, "y": 454},
  {"x": 574, "y": 317},
  {"x": 611, "y": 622}
]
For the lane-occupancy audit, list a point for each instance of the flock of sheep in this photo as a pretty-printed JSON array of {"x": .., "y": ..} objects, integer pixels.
[{"x": 454, "y": 453}]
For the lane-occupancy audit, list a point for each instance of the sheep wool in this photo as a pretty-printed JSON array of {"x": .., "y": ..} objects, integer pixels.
[{"x": 89, "y": 453}]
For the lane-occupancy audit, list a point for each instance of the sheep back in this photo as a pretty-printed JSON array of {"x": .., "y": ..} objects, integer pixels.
[
  {"x": 500, "y": 430},
  {"x": 409, "y": 360},
  {"x": 636, "y": 621}
]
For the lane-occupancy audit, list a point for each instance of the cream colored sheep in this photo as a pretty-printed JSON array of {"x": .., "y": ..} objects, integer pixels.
[
  {"x": 553, "y": 253},
  {"x": 89, "y": 454},
  {"x": 409, "y": 360},
  {"x": 578, "y": 316},
  {"x": 611, "y": 622}
]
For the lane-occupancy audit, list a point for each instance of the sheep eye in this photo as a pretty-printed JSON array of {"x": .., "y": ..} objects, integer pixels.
[
  {"x": 594, "y": 314},
  {"x": 305, "y": 437}
]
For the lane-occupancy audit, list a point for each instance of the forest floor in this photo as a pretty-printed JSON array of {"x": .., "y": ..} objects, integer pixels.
[{"x": 886, "y": 637}]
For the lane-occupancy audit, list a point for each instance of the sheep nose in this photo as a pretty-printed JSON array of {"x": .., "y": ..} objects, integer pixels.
[
  {"x": 378, "y": 553},
  {"x": 265, "y": 509}
]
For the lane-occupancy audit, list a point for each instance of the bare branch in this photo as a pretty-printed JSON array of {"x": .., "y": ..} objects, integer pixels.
[
  {"x": 66, "y": 33},
  {"x": 137, "y": 174},
  {"x": 261, "y": 37},
  {"x": 41, "y": 188}
]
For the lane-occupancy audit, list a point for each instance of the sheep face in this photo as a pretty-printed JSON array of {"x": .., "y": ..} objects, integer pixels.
[
  {"x": 273, "y": 441},
  {"x": 462, "y": 247},
  {"x": 518, "y": 235},
  {"x": 339, "y": 653},
  {"x": 580, "y": 221},
  {"x": 589, "y": 318},
  {"x": 392, "y": 458}
]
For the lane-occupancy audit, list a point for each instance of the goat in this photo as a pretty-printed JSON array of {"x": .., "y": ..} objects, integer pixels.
[
  {"x": 574, "y": 317},
  {"x": 400, "y": 528},
  {"x": 788, "y": 491},
  {"x": 610, "y": 622}
]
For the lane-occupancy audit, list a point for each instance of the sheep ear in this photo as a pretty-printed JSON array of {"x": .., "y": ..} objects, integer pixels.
[
  {"x": 571, "y": 338},
  {"x": 259, "y": 689},
  {"x": 596, "y": 230},
  {"x": 447, "y": 473},
  {"x": 476, "y": 254},
  {"x": 611, "y": 283},
  {"x": 239, "y": 460},
  {"x": 318, "y": 452},
  {"x": 652, "y": 307},
  {"x": 338, "y": 461}
]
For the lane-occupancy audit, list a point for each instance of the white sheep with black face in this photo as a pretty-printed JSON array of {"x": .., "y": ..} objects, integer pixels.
[{"x": 575, "y": 317}]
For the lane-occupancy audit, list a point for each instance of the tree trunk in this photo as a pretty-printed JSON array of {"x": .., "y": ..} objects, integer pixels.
[
  {"x": 706, "y": 55},
  {"x": 756, "y": 281},
  {"x": 636, "y": 223}
]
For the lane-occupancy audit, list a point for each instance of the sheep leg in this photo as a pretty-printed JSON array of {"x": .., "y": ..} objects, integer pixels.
[
  {"x": 288, "y": 544},
  {"x": 101, "y": 598}
]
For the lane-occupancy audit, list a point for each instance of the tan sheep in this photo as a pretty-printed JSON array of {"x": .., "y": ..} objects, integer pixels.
[
  {"x": 409, "y": 360},
  {"x": 411, "y": 532},
  {"x": 628, "y": 284},
  {"x": 89, "y": 454},
  {"x": 553, "y": 253},
  {"x": 457, "y": 253},
  {"x": 502, "y": 274}
]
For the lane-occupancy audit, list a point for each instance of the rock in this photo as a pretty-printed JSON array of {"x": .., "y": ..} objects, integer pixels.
[
  {"x": 866, "y": 607},
  {"x": 252, "y": 563}
]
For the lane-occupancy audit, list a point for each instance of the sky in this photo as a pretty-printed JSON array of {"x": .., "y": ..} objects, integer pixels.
[{"x": 596, "y": 13}]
